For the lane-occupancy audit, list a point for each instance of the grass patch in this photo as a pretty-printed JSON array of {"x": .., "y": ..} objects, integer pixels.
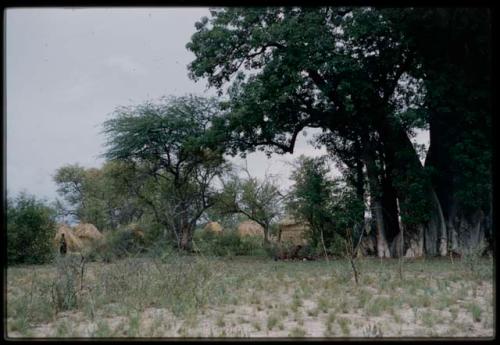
[
  {"x": 344, "y": 325},
  {"x": 476, "y": 312},
  {"x": 297, "y": 332},
  {"x": 272, "y": 321},
  {"x": 379, "y": 305}
]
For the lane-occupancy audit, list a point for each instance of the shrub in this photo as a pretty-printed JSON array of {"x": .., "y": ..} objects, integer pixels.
[
  {"x": 337, "y": 247},
  {"x": 309, "y": 250},
  {"x": 30, "y": 228},
  {"x": 228, "y": 244},
  {"x": 64, "y": 289},
  {"x": 286, "y": 250},
  {"x": 118, "y": 244}
]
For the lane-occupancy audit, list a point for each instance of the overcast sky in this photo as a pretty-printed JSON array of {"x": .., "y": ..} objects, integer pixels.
[{"x": 66, "y": 71}]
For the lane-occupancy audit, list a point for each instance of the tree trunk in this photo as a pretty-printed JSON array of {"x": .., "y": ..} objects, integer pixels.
[
  {"x": 390, "y": 209},
  {"x": 184, "y": 229},
  {"x": 402, "y": 157},
  {"x": 466, "y": 232},
  {"x": 438, "y": 221},
  {"x": 413, "y": 243},
  {"x": 376, "y": 206},
  {"x": 459, "y": 98},
  {"x": 186, "y": 240},
  {"x": 266, "y": 234},
  {"x": 463, "y": 231}
]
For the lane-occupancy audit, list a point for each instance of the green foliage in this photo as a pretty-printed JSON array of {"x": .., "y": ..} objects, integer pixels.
[
  {"x": 356, "y": 72},
  {"x": 473, "y": 158},
  {"x": 30, "y": 230},
  {"x": 414, "y": 204},
  {"x": 229, "y": 243},
  {"x": 297, "y": 67},
  {"x": 457, "y": 67},
  {"x": 168, "y": 132},
  {"x": 122, "y": 242},
  {"x": 159, "y": 169},
  {"x": 258, "y": 200},
  {"x": 166, "y": 144},
  {"x": 64, "y": 289},
  {"x": 330, "y": 206},
  {"x": 311, "y": 196},
  {"x": 103, "y": 197}
]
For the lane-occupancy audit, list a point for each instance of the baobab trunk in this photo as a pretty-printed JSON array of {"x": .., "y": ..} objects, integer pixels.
[
  {"x": 390, "y": 211},
  {"x": 406, "y": 167},
  {"x": 465, "y": 229},
  {"x": 376, "y": 206}
]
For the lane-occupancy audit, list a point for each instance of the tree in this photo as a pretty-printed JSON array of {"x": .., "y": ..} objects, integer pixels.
[
  {"x": 30, "y": 230},
  {"x": 331, "y": 206},
  {"x": 333, "y": 68},
  {"x": 96, "y": 196},
  {"x": 346, "y": 211},
  {"x": 360, "y": 75},
  {"x": 165, "y": 142},
  {"x": 456, "y": 66},
  {"x": 259, "y": 200},
  {"x": 70, "y": 180},
  {"x": 311, "y": 198}
]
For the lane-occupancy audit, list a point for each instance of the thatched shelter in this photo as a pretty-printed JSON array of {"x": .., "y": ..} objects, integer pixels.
[
  {"x": 250, "y": 228},
  {"x": 293, "y": 231},
  {"x": 213, "y": 227},
  {"x": 88, "y": 234},
  {"x": 273, "y": 238},
  {"x": 74, "y": 244}
]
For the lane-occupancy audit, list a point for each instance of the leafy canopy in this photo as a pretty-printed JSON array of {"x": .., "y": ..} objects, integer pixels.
[
  {"x": 168, "y": 145},
  {"x": 290, "y": 68},
  {"x": 30, "y": 230}
]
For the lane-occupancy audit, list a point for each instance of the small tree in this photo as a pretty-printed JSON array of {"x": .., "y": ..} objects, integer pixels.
[
  {"x": 259, "y": 200},
  {"x": 30, "y": 229},
  {"x": 311, "y": 198},
  {"x": 346, "y": 210}
]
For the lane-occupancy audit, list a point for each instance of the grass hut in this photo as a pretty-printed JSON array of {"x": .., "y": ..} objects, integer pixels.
[
  {"x": 72, "y": 241},
  {"x": 213, "y": 227},
  {"x": 250, "y": 228},
  {"x": 293, "y": 231},
  {"x": 88, "y": 234}
]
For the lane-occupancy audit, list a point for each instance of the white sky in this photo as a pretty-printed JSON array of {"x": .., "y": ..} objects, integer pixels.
[{"x": 67, "y": 69}]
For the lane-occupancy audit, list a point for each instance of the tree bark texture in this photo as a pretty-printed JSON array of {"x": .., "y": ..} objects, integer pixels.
[{"x": 376, "y": 206}]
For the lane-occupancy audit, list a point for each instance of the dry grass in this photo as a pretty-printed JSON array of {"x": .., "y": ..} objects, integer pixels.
[{"x": 186, "y": 296}]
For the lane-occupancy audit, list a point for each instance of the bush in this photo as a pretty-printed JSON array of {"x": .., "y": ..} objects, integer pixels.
[
  {"x": 309, "y": 250},
  {"x": 274, "y": 250},
  {"x": 118, "y": 244},
  {"x": 337, "y": 247},
  {"x": 30, "y": 228},
  {"x": 64, "y": 289},
  {"x": 228, "y": 244}
]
